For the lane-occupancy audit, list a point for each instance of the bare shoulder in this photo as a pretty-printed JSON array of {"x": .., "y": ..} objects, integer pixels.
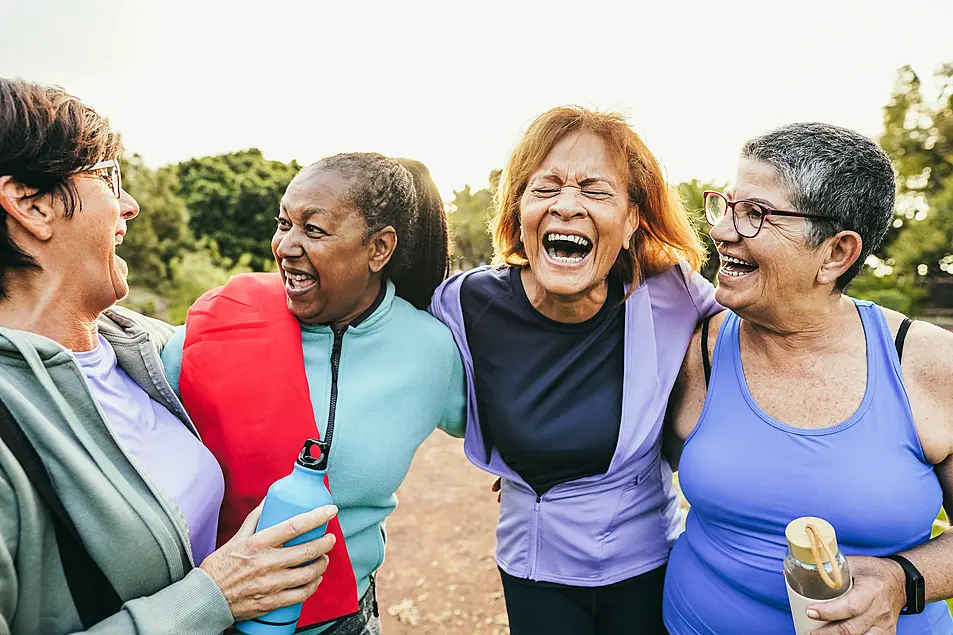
[
  {"x": 927, "y": 370},
  {"x": 688, "y": 396}
]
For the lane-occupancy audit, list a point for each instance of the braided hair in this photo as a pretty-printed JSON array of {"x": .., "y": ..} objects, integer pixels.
[{"x": 402, "y": 194}]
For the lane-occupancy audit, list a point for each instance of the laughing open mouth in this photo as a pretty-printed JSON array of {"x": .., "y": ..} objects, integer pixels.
[
  {"x": 567, "y": 248},
  {"x": 736, "y": 267},
  {"x": 300, "y": 281}
]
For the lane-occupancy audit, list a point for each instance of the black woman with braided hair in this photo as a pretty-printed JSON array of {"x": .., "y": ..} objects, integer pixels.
[{"x": 333, "y": 345}]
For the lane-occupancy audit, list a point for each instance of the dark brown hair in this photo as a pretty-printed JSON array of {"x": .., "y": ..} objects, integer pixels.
[
  {"x": 46, "y": 135},
  {"x": 402, "y": 194}
]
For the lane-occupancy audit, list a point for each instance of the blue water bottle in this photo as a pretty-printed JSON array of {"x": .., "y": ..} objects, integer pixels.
[{"x": 301, "y": 491}]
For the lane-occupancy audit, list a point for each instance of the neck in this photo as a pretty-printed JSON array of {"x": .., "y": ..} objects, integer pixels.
[
  {"x": 364, "y": 303},
  {"x": 802, "y": 330},
  {"x": 40, "y": 303},
  {"x": 570, "y": 309}
]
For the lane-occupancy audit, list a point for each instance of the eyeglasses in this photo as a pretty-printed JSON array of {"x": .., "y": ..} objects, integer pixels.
[
  {"x": 747, "y": 216},
  {"x": 109, "y": 172}
]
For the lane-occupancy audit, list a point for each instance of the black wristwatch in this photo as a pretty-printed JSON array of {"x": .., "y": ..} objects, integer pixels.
[{"x": 916, "y": 594}]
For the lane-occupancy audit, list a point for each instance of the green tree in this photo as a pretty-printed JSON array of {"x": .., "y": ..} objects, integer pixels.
[
  {"x": 233, "y": 199},
  {"x": 918, "y": 136},
  {"x": 160, "y": 231},
  {"x": 470, "y": 213},
  {"x": 692, "y": 194}
]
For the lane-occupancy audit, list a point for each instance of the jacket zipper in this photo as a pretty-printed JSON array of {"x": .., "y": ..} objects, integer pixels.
[
  {"x": 534, "y": 539},
  {"x": 332, "y": 407}
]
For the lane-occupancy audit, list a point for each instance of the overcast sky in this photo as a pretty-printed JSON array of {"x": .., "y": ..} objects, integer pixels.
[{"x": 454, "y": 84}]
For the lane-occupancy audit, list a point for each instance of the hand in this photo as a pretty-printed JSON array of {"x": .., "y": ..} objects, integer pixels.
[
  {"x": 498, "y": 488},
  {"x": 872, "y": 606},
  {"x": 257, "y": 575}
]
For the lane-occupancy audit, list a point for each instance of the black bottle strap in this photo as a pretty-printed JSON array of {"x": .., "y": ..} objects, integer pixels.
[
  {"x": 706, "y": 361},
  {"x": 93, "y": 594},
  {"x": 901, "y": 336}
]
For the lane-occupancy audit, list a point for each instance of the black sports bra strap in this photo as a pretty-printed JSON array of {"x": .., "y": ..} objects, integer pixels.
[
  {"x": 901, "y": 336},
  {"x": 706, "y": 361}
]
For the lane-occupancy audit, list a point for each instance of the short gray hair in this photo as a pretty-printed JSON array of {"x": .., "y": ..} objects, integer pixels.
[{"x": 832, "y": 171}]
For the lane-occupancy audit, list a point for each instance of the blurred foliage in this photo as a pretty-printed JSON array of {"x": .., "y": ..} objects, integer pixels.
[
  {"x": 469, "y": 214},
  {"x": 233, "y": 200}
]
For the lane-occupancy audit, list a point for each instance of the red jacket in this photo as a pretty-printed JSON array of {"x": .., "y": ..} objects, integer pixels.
[{"x": 243, "y": 383}]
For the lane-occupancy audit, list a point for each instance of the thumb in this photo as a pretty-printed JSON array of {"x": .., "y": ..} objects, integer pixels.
[{"x": 250, "y": 523}]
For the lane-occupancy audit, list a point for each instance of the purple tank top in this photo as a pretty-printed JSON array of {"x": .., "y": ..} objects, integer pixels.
[{"x": 748, "y": 475}]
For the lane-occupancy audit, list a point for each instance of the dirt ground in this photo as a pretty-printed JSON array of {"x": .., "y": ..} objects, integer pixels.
[{"x": 439, "y": 576}]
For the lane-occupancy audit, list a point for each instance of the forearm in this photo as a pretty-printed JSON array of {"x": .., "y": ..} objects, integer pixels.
[{"x": 934, "y": 560}]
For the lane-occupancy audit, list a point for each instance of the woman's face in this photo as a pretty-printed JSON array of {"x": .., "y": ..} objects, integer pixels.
[
  {"x": 777, "y": 264},
  {"x": 575, "y": 216},
  {"x": 85, "y": 245},
  {"x": 324, "y": 260}
]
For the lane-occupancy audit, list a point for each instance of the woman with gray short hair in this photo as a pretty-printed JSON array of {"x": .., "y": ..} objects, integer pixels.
[{"x": 794, "y": 402}]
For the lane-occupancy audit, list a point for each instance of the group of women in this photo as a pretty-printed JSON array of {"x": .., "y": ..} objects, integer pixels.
[{"x": 134, "y": 456}]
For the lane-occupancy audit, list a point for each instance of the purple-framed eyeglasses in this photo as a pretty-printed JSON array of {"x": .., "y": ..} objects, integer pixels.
[{"x": 747, "y": 216}]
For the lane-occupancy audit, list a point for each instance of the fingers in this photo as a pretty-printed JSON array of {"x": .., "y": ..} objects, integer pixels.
[
  {"x": 856, "y": 626},
  {"x": 306, "y": 552},
  {"x": 294, "y": 596},
  {"x": 250, "y": 523},
  {"x": 295, "y": 526},
  {"x": 847, "y": 606}
]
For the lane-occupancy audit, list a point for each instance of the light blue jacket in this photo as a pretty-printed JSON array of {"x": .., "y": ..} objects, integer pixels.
[{"x": 400, "y": 378}]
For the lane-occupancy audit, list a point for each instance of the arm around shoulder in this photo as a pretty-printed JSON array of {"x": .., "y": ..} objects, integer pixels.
[
  {"x": 455, "y": 416},
  {"x": 172, "y": 358}
]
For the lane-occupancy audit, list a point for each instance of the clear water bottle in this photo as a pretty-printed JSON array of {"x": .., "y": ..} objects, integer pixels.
[
  {"x": 301, "y": 491},
  {"x": 815, "y": 570}
]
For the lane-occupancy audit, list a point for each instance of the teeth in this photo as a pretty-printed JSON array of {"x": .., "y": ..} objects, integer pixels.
[
  {"x": 579, "y": 240},
  {"x": 299, "y": 277},
  {"x": 735, "y": 274},
  {"x": 731, "y": 259},
  {"x": 568, "y": 259}
]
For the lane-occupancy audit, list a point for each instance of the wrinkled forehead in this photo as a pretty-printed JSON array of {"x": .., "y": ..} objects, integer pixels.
[
  {"x": 758, "y": 180},
  {"x": 590, "y": 155}
]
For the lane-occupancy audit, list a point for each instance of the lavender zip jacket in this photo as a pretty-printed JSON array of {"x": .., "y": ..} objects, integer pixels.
[{"x": 606, "y": 528}]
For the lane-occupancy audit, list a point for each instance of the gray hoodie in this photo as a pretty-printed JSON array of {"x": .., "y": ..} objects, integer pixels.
[{"x": 132, "y": 529}]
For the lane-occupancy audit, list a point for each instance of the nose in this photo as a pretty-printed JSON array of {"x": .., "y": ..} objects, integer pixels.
[
  {"x": 288, "y": 245},
  {"x": 724, "y": 230},
  {"x": 128, "y": 206},
  {"x": 567, "y": 205}
]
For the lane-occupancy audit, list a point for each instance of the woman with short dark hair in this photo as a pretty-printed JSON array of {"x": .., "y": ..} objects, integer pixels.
[
  {"x": 108, "y": 499},
  {"x": 794, "y": 403}
]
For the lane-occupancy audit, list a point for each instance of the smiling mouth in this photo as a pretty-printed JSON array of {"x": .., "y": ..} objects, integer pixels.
[
  {"x": 566, "y": 248},
  {"x": 299, "y": 281},
  {"x": 736, "y": 267}
]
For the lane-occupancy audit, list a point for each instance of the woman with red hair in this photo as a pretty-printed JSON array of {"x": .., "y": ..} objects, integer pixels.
[{"x": 571, "y": 346}]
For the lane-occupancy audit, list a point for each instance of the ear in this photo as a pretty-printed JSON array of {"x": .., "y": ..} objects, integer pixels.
[
  {"x": 34, "y": 213},
  {"x": 843, "y": 250},
  {"x": 382, "y": 247},
  {"x": 631, "y": 225}
]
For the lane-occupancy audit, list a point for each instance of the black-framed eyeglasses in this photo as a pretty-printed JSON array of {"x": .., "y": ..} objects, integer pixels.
[
  {"x": 747, "y": 216},
  {"x": 109, "y": 172}
]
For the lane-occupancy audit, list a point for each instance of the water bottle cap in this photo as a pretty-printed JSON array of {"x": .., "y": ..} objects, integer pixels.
[
  {"x": 800, "y": 542},
  {"x": 312, "y": 455}
]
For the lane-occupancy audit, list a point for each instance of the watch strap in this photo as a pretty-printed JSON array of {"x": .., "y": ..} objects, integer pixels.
[{"x": 916, "y": 596}]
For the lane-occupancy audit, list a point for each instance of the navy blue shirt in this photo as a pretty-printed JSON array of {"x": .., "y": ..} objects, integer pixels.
[{"x": 549, "y": 394}]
